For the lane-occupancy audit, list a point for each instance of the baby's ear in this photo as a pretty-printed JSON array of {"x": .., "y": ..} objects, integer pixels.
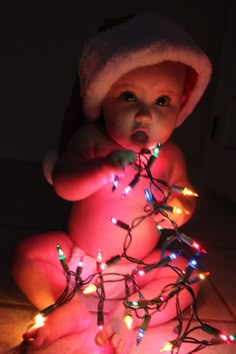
[
  {"x": 183, "y": 99},
  {"x": 190, "y": 82}
]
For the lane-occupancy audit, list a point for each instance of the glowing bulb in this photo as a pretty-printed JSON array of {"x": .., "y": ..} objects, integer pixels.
[
  {"x": 184, "y": 191},
  {"x": 167, "y": 347},
  {"x": 99, "y": 256},
  {"x": 193, "y": 263},
  {"x": 80, "y": 266},
  {"x": 81, "y": 261},
  {"x": 132, "y": 184},
  {"x": 119, "y": 223},
  {"x": 200, "y": 276},
  {"x": 174, "y": 209},
  {"x": 128, "y": 319},
  {"x": 115, "y": 183},
  {"x": 62, "y": 258},
  {"x": 132, "y": 304},
  {"x": 101, "y": 266},
  {"x": 187, "y": 191},
  {"x": 224, "y": 337},
  {"x": 143, "y": 328},
  {"x": 172, "y": 256},
  {"x": 196, "y": 245},
  {"x": 148, "y": 195},
  {"x": 90, "y": 289},
  {"x": 112, "y": 219},
  {"x": 125, "y": 192},
  {"x": 180, "y": 211},
  {"x": 189, "y": 241},
  {"x": 165, "y": 260},
  {"x": 203, "y": 275},
  {"x": 140, "y": 336},
  {"x": 232, "y": 337},
  {"x": 60, "y": 253},
  {"x": 154, "y": 155},
  {"x": 39, "y": 321},
  {"x": 100, "y": 319}
]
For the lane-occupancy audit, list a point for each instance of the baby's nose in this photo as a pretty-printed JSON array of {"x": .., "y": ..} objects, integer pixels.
[{"x": 143, "y": 115}]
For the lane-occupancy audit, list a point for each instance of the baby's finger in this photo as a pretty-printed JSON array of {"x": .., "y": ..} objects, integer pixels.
[
  {"x": 104, "y": 335},
  {"x": 115, "y": 339}
]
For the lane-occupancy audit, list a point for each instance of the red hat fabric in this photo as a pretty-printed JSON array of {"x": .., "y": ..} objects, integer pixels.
[{"x": 143, "y": 40}]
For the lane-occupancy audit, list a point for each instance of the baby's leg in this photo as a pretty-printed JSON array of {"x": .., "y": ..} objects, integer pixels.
[
  {"x": 151, "y": 284},
  {"x": 40, "y": 276}
]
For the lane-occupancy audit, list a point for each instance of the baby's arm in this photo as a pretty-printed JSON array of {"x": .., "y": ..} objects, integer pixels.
[
  {"x": 82, "y": 171},
  {"x": 177, "y": 176}
]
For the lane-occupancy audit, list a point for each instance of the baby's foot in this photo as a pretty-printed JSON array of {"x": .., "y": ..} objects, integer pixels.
[
  {"x": 117, "y": 333},
  {"x": 72, "y": 317}
]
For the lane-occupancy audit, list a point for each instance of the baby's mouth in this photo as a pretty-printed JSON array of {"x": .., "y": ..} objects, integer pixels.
[{"x": 140, "y": 137}]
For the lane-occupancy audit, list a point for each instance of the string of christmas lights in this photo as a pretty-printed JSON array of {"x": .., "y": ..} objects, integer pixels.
[{"x": 95, "y": 283}]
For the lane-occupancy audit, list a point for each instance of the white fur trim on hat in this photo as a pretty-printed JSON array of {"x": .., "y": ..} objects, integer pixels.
[{"x": 141, "y": 41}]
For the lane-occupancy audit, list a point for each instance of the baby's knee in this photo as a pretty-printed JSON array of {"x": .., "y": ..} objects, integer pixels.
[
  {"x": 26, "y": 249},
  {"x": 44, "y": 246}
]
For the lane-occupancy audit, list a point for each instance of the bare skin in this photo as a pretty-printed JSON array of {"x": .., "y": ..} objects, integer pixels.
[{"x": 135, "y": 117}]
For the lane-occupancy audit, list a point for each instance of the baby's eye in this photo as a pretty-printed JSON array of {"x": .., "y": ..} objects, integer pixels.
[
  {"x": 128, "y": 96},
  {"x": 162, "y": 101}
]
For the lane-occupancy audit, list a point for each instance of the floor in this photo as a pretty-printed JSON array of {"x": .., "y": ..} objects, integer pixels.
[{"x": 29, "y": 205}]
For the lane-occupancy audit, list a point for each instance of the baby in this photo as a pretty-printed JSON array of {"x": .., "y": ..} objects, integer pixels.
[{"x": 139, "y": 80}]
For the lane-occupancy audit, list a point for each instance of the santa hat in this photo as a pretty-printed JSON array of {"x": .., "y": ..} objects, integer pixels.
[{"x": 140, "y": 41}]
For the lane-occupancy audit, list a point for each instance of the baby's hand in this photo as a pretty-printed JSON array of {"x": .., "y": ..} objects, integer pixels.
[
  {"x": 116, "y": 162},
  {"x": 121, "y": 158}
]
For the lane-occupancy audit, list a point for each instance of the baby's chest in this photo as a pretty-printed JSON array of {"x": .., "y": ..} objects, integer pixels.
[{"x": 136, "y": 189}]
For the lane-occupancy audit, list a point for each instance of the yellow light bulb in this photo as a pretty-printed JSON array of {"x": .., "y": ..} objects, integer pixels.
[
  {"x": 204, "y": 275},
  {"x": 177, "y": 210},
  {"x": 128, "y": 319},
  {"x": 39, "y": 320},
  {"x": 90, "y": 289},
  {"x": 167, "y": 347},
  {"x": 180, "y": 211},
  {"x": 187, "y": 191}
]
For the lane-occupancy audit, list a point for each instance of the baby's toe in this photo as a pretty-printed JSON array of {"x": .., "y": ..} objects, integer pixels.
[
  {"x": 29, "y": 335},
  {"x": 104, "y": 335},
  {"x": 115, "y": 340}
]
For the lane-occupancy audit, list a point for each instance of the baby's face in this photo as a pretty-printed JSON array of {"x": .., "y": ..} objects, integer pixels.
[{"x": 141, "y": 108}]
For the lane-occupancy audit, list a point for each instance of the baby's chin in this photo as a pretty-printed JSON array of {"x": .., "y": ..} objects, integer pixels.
[{"x": 147, "y": 145}]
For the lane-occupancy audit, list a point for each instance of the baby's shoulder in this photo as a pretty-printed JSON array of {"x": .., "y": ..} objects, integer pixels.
[
  {"x": 89, "y": 138},
  {"x": 85, "y": 135},
  {"x": 169, "y": 159},
  {"x": 87, "y": 131},
  {"x": 171, "y": 151}
]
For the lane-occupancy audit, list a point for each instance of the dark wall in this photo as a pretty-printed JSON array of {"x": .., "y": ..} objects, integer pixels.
[{"x": 40, "y": 46}]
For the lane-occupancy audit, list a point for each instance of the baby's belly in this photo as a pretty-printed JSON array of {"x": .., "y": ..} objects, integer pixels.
[{"x": 91, "y": 229}]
